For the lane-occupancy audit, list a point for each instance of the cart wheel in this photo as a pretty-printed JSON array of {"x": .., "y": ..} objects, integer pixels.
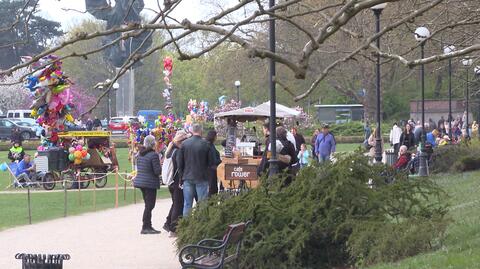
[
  {"x": 69, "y": 178},
  {"x": 48, "y": 182},
  {"x": 85, "y": 182},
  {"x": 101, "y": 178}
]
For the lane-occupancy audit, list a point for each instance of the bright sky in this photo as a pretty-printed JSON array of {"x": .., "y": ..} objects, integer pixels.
[{"x": 193, "y": 10}]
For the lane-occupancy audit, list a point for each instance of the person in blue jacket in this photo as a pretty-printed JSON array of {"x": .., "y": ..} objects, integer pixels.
[
  {"x": 432, "y": 137},
  {"x": 325, "y": 145},
  {"x": 25, "y": 170}
]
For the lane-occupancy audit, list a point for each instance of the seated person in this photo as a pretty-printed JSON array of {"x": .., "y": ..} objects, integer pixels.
[
  {"x": 445, "y": 140},
  {"x": 432, "y": 137},
  {"x": 16, "y": 152},
  {"x": 25, "y": 170},
  {"x": 403, "y": 158}
]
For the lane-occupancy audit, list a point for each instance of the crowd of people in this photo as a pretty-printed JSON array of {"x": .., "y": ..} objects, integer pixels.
[
  {"x": 190, "y": 161},
  {"x": 405, "y": 137},
  {"x": 193, "y": 161}
]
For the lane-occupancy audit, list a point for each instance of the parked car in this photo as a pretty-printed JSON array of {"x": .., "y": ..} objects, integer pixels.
[
  {"x": 6, "y": 127},
  {"x": 120, "y": 124},
  {"x": 28, "y": 122},
  {"x": 19, "y": 113}
]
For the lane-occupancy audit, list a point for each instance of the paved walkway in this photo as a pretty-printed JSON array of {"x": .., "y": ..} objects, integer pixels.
[{"x": 105, "y": 239}]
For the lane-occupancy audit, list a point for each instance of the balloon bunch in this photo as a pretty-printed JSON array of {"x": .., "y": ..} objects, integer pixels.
[
  {"x": 166, "y": 127},
  {"x": 78, "y": 154},
  {"x": 226, "y": 106},
  {"x": 167, "y": 72},
  {"x": 50, "y": 88},
  {"x": 198, "y": 110}
]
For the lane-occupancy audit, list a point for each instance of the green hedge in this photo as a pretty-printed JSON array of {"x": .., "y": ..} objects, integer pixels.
[
  {"x": 456, "y": 158},
  {"x": 328, "y": 217}
]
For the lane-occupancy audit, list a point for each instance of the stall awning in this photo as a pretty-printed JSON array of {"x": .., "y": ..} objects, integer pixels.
[
  {"x": 246, "y": 113},
  {"x": 282, "y": 110}
]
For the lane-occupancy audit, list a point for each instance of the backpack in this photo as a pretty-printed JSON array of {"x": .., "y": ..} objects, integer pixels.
[{"x": 167, "y": 170}]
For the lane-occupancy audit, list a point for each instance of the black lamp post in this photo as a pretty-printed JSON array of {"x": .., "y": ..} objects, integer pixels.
[
  {"x": 446, "y": 50},
  {"x": 377, "y": 11},
  {"x": 273, "y": 137},
  {"x": 467, "y": 63},
  {"x": 237, "y": 84},
  {"x": 421, "y": 35}
]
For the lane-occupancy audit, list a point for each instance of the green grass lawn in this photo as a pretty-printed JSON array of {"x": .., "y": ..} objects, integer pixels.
[
  {"x": 50, "y": 205},
  {"x": 461, "y": 248}
]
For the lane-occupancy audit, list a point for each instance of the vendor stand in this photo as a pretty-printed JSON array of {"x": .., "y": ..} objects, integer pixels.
[{"x": 240, "y": 159}]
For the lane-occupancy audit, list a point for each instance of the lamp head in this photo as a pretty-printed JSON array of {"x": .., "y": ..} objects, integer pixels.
[
  {"x": 467, "y": 62},
  {"x": 116, "y": 85},
  {"x": 379, "y": 7},
  {"x": 421, "y": 34},
  {"x": 237, "y": 83},
  {"x": 448, "y": 49},
  {"x": 477, "y": 70}
]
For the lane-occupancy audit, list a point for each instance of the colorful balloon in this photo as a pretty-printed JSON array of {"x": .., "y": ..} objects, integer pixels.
[{"x": 77, "y": 154}]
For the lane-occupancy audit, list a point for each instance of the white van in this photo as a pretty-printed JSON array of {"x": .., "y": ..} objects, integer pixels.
[{"x": 19, "y": 113}]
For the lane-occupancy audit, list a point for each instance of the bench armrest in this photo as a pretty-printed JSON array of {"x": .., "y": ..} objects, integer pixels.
[
  {"x": 190, "y": 253},
  {"x": 210, "y": 242}
]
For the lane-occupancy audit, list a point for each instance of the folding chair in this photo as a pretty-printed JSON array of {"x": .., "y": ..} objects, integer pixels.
[{"x": 12, "y": 168}]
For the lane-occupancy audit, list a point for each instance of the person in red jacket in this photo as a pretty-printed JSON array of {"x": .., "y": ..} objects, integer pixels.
[{"x": 403, "y": 158}]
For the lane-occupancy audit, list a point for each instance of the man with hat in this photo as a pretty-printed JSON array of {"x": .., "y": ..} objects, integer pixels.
[{"x": 325, "y": 144}]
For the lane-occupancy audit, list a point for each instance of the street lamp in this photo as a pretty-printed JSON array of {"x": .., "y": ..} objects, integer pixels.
[
  {"x": 237, "y": 84},
  {"x": 273, "y": 163},
  {"x": 447, "y": 50},
  {"x": 115, "y": 86},
  {"x": 467, "y": 63},
  {"x": 377, "y": 11},
  {"x": 421, "y": 35}
]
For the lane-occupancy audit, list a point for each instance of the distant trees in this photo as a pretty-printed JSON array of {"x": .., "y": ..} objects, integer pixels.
[{"x": 23, "y": 33}]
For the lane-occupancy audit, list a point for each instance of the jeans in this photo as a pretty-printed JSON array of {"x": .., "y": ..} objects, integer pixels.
[
  {"x": 150, "y": 198},
  {"x": 189, "y": 188},
  {"x": 322, "y": 159},
  {"x": 25, "y": 178},
  {"x": 176, "y": 210}
]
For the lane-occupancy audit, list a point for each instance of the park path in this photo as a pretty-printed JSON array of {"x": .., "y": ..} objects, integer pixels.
[{"x": 104, "y": 239}]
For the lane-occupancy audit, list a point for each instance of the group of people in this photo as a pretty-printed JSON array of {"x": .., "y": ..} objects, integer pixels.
[
  {"x": 406, "y": 137},
  {"x": 194, "y": 160},
  {"x": 25, "y": 167},
  {"x": 292, "y": 150}
]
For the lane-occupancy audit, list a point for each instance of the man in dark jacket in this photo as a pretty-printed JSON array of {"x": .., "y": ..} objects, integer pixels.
[
  {"x": 97, "y": 124},
  {"x": 194, "y": 161},
  {"x": 148, "y": 181}
]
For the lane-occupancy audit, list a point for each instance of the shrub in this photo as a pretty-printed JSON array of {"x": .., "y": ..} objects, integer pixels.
[
  {"x": 329, "y": 216},
  {"x": 456, "y": 158}
]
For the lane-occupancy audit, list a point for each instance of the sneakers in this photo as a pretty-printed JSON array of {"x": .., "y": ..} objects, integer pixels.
[{"x": 149, "y": 231}]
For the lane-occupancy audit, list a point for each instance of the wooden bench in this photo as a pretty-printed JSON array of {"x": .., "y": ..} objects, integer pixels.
[{"x": 213, "y": 253}]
